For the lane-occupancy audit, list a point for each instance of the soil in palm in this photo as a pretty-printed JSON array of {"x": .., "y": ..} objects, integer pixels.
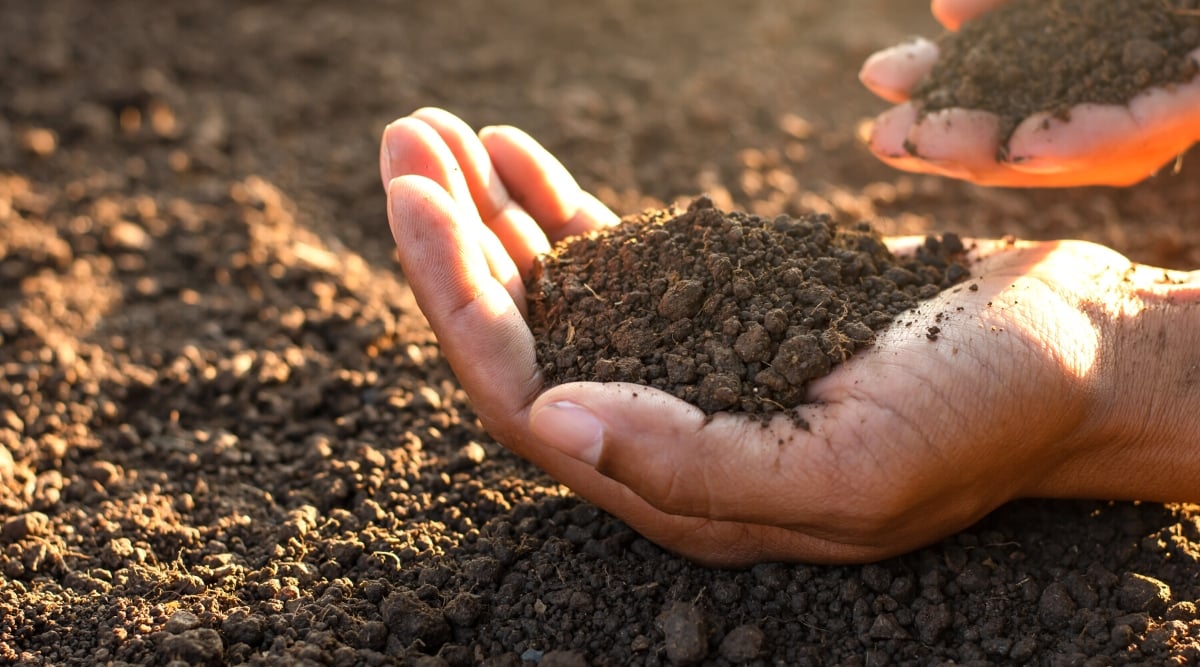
[
  {"x": 1036, "y": 55},
  {"x": 729, "y": 311}
]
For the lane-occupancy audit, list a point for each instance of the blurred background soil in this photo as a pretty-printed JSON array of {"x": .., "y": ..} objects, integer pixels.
[{"x": 227, "y": 434}]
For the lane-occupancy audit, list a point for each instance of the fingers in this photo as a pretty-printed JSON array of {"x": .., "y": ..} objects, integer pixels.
[
  {"x": 961, "y": 143},
  {"x": 487, "y": 191},
  {"x": 1098, "y": 145},
  {"x": 1045, "y": 144},
  {"x": 891, "y": 73},
  {"x": 958, "y": 143},
  {"x": 735, "y": 544},
  {"x": 1110, "y": 144},
  {"x": 542, "y": 185},
  {"x": 1174, "y": 109},
  {"x": 954, "y": 13},
  {"x": 685, "y": 464},
  {"x": 1095, "y": 145},
  {"x": 476, "y": 320},
  {"x": 889, "y": 134},
  {"x": 412, "y": 147},
  {"x": 729, "y": 490},
  {"x": 516, "y": 188},
  {"x": 520, "y": 234}
]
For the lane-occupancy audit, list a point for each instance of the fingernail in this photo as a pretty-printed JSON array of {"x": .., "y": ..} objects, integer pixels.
[
  {"x": 571, "y": 430},
  {"x": 385, "y": 158}
]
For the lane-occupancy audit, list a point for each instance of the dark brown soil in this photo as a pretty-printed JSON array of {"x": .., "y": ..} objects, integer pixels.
[
  {"x": 728, "y": 311},
  {"x": 227, "y": 436},
  {"x": 1049, "y": 55}
]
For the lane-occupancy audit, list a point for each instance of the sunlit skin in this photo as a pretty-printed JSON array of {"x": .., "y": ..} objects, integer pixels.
[
  {"x": 1098, "y": 145},
  {"x": 1059, "y": 375}
]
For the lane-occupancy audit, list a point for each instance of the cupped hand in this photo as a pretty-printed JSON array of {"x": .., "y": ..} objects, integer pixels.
[
  {"x": 981, "y": 395},
  {"x": 1100, "y": 144}
]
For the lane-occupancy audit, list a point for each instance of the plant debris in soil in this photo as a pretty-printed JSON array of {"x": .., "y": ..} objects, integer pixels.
[
  {"x": 728, "y": 311},
  {"x": 1030, "y": 56}
]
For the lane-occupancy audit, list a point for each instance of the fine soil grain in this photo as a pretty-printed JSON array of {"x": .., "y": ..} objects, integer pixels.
[
  {"x": 728, "y": 311},
  {"x": 1049, "y": 55}
]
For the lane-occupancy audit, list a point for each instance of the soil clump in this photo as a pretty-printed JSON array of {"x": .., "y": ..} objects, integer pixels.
[
  {"x": 728, "y": 311},
  {"x": 1029, "y": 56}
]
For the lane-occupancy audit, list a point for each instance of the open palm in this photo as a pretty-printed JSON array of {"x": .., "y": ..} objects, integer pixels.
[{"x": 908, "y": 441}]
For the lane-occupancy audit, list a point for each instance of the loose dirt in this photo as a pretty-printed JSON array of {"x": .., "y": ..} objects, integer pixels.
[
  {"x": 227, "y": 435},
  {"x": 728, "y": 311},
  {"x": 1049, "y": 55}
]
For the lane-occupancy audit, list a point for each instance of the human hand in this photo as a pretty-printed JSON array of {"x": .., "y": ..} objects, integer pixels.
[
  {"x": 910, "y": 440},
  {"x": 1100, "y": 144}
]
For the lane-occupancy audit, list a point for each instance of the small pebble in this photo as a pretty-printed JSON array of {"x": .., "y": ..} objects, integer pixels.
[
  {"x": 1138, "y": 592},
  {"x": 181, "y": 621},
  {"x": 686, "y": 633},
  {"x": 742, "y": 644},
  {"x": 39, "y": 141},
  {"x": 1055, "y": 607},
  {"x": 25, "y": 525}
]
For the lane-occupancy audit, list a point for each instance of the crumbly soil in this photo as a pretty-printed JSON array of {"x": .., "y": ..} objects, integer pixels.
[
  {"x": 1049, "y": 55},
  {"x": 727, "y": 310},
  {"x": 228, "y": 436}
]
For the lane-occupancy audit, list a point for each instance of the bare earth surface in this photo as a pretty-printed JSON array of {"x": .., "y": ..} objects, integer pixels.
[{"x": 228, "y": 436}]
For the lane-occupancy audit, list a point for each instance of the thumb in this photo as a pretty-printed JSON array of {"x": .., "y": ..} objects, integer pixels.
[
  {"x": 684, "y": 463},
  {"x": 954, "y": 13}
]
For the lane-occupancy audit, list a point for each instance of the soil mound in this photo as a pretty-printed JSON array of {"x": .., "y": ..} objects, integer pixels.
[
  {"x": 728, "y": 311},
  {"x": 1049, "y": 55}
]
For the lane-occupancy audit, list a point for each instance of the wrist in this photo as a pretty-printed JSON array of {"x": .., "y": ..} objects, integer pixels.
[{"x": 1143, "y": 438}]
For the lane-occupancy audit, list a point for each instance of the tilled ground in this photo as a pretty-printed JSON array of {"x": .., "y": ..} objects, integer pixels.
[{"x": 228, "y": 436}]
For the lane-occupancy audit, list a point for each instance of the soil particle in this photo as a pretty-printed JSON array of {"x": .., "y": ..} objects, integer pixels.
[
  {"x": 685, "y": 632},
  {"x": 1049, "y": 55},
  {"x": 886, "y": 626},
  {"x": 729, "y": 311},
  {"x": 932, "y": 621},
  {"x": 242, "y": 627},
  {"x": 412, "y": 620},
  {"x": 463, "y": 610},
  {"x": 181, "y": 621},
  {"x": 24, "y": 525},
  {"x": 1056, "y": 608},
  {"x": 200, "y": 646},
  {"x": 742, "y": 644},
  {"x": 1138, "y": 592}
]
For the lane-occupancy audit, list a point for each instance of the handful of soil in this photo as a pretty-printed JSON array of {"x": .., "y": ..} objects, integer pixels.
[
  {"x": 728, "y": 311},
  {"x": 1049, "y": 55}
]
